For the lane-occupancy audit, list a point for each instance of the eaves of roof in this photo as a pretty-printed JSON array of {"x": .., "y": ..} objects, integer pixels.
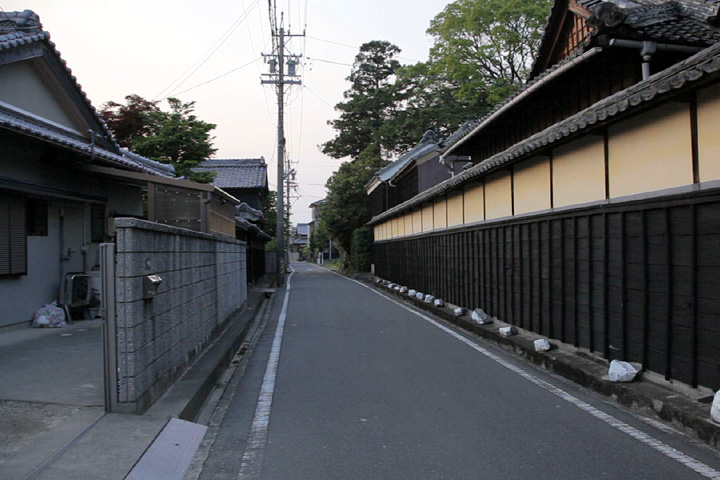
[
  {"x": 703, "y": 66},
  {"x": 469, "y": 128},
  {"x": 34, "y": 127}
]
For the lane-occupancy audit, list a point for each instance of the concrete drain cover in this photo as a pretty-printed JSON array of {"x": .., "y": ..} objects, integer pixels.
[{"x": 171, "y": 453}]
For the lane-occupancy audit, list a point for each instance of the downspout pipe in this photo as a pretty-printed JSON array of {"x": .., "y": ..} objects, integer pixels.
[
  {"x": 648, "y": 48},
  {"x": 540, "y": 83}
]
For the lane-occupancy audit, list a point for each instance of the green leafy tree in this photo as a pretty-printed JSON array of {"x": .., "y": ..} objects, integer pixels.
[
  {"x": 179, "y": 138},
  {"x": 176, "y": 137},
  {"x": 361, "y": 249},
  {"x": 424, "y": 101},
  {"x": 345, "y": 208},
  {"x": 487, "y": 46},
  {"x": 367, "y": 102},
  {"x": 319, "y": 237}
]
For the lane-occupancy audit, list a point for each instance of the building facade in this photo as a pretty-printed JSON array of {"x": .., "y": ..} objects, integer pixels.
[{"x": 592, "y": 210}]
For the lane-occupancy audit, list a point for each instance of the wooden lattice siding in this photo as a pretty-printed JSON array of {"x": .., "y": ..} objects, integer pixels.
[
  {"x": 575, "y": 33},
  {"x": 221, "y": 217},
  {"x": 560, "y": 99},
  {"x": 637, "y": 282}
]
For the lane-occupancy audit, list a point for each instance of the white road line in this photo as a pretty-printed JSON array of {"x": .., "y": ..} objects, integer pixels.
[
  {"x": 252, "y": 460},
  {"x": 667, "y": 450}
]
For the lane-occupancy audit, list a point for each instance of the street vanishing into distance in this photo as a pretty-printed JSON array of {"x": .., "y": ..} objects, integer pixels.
[{"x": 346, "y": 383}]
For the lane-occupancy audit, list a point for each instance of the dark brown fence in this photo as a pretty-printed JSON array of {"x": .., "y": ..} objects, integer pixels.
[{"x": 638, "y": 282}]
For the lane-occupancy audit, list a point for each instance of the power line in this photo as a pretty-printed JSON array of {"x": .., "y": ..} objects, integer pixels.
[
  {"x": 218, "y": 77},
  {"x": 208, "y": 54},
  {"x": 318, "y": 96},
  {"x": 354, "y": 47},
  {"x": 329, "y": 61}
]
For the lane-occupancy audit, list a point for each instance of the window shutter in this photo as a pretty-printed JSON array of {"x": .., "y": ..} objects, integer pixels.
[{"x": 13, "y": 241}]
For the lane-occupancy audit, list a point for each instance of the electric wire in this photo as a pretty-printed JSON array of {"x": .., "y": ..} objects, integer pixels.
[
  {"x": 218, "y": 77},
  {"x": 318, "y": 96},
  {"x": 209, "y": 53}
]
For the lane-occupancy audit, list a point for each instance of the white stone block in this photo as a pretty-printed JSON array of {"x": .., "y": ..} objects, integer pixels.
[
  {"x": 620, "y": 371},
  {"x": 412, "y": 292},
  {"x": 403, "y": 289},
  {"x": 480, "y": 317},
  {"x": 459, "y": 311},
  {"x": 715, "y": 410},
  {"x": 542, "y": 345},
  {"x": 508, "y": 331},
  {"x": 396, "y": 288},
  {"x": 429, "y": 298},
  {"x": 419, "y": 295},
  {"x": 439, "y": 302}
]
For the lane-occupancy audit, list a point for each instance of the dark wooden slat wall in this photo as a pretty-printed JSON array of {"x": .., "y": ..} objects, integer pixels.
[{"x": 637, "y": 282}]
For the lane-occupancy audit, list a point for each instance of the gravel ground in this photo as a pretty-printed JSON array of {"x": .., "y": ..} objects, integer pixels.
[{"x": 21, "y": 423}]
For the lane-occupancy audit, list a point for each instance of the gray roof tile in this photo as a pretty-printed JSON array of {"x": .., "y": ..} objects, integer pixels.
[
  {"x": 700, "y": 67},
  {"x": 236, "y": 172},
  {"x": 24, "y": 28}
]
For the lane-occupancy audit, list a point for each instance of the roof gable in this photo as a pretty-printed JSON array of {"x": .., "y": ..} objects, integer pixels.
[
  {"x": 22, "y": 39},
  {"x": 40, "y": 98},
  {"x": 26, "y": 86}
]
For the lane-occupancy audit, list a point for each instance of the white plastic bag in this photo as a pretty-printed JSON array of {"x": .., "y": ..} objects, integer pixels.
[{"x": 50, "y": 316}]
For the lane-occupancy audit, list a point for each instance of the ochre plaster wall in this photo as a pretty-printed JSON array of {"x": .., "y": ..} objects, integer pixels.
[
  {"x": 417, "y": 221},
  {"x": 408, "y": 223},
  {"x": 708, "y": 116},
  {"x": 474, "y": 202},
  {"x": 427, "y": 218},
  {"x": 455, "y": 209},
  {"x": 651, "y": 151},
  {"x": 498, "y": 195},
  {"x": 532, "y": 185},
  {"x": 440, "y": 213},
  {"x": 578, "y": 171}
]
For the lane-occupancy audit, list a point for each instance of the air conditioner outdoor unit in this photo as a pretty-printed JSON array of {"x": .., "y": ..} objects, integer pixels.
[{"x": 78, "y": 290}]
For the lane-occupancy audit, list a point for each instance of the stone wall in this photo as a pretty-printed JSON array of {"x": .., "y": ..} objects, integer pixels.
[{"x": 203, "y": 284}]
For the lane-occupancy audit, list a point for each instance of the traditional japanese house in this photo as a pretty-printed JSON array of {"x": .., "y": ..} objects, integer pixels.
[
  {"x": 64, "y": 179},
  {"x": 246, "y": 180},
  {"x": 591, "y": 214}
]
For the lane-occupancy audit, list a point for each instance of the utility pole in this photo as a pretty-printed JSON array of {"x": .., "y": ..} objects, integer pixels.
[{"x": 277, "y": 61}]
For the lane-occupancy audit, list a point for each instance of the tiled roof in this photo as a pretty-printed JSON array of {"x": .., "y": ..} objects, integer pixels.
[
  {"x": 237, "y": 172},
  {"x": 24, "y": 28},
  {"x": 471, "y": 125},
  {"x": 34, "y": 127},
  {"x": 19, "y": 29},
  {"x": 676, "y": 21},
  {"x": 427, "y": 144},
  {"x": 302, "y": 229},
  {"x": 251, "y": 228},
  {"x": 701, "y": 67}
]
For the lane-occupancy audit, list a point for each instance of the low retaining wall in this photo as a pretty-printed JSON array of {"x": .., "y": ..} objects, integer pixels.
[{"x": 204, "y": 281}]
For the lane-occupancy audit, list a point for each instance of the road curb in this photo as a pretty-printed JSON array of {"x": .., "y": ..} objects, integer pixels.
[{"x": 653, "y": 400}]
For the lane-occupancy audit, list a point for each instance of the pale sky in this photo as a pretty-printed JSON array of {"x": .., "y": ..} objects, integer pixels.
[{"x": 117, "y": 48}]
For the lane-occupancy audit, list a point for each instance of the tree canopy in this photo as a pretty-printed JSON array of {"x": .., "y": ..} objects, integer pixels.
[
  {"x": 482, "y": 52},
  {"x": 487, "y": 46},
  {"x": 176, "y": 136},
  {"x": 367, "y": 102},
  {"x": 345, "y": 207}
]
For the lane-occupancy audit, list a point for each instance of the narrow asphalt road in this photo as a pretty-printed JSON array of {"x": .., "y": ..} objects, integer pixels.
[{"x": 354, "y": 385}]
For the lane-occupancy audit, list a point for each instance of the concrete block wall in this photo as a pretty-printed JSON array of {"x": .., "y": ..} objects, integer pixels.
[{"x": 203, "y": 284}]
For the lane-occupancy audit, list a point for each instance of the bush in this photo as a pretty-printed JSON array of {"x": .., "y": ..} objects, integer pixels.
[{"x": 361, "y": 250}]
